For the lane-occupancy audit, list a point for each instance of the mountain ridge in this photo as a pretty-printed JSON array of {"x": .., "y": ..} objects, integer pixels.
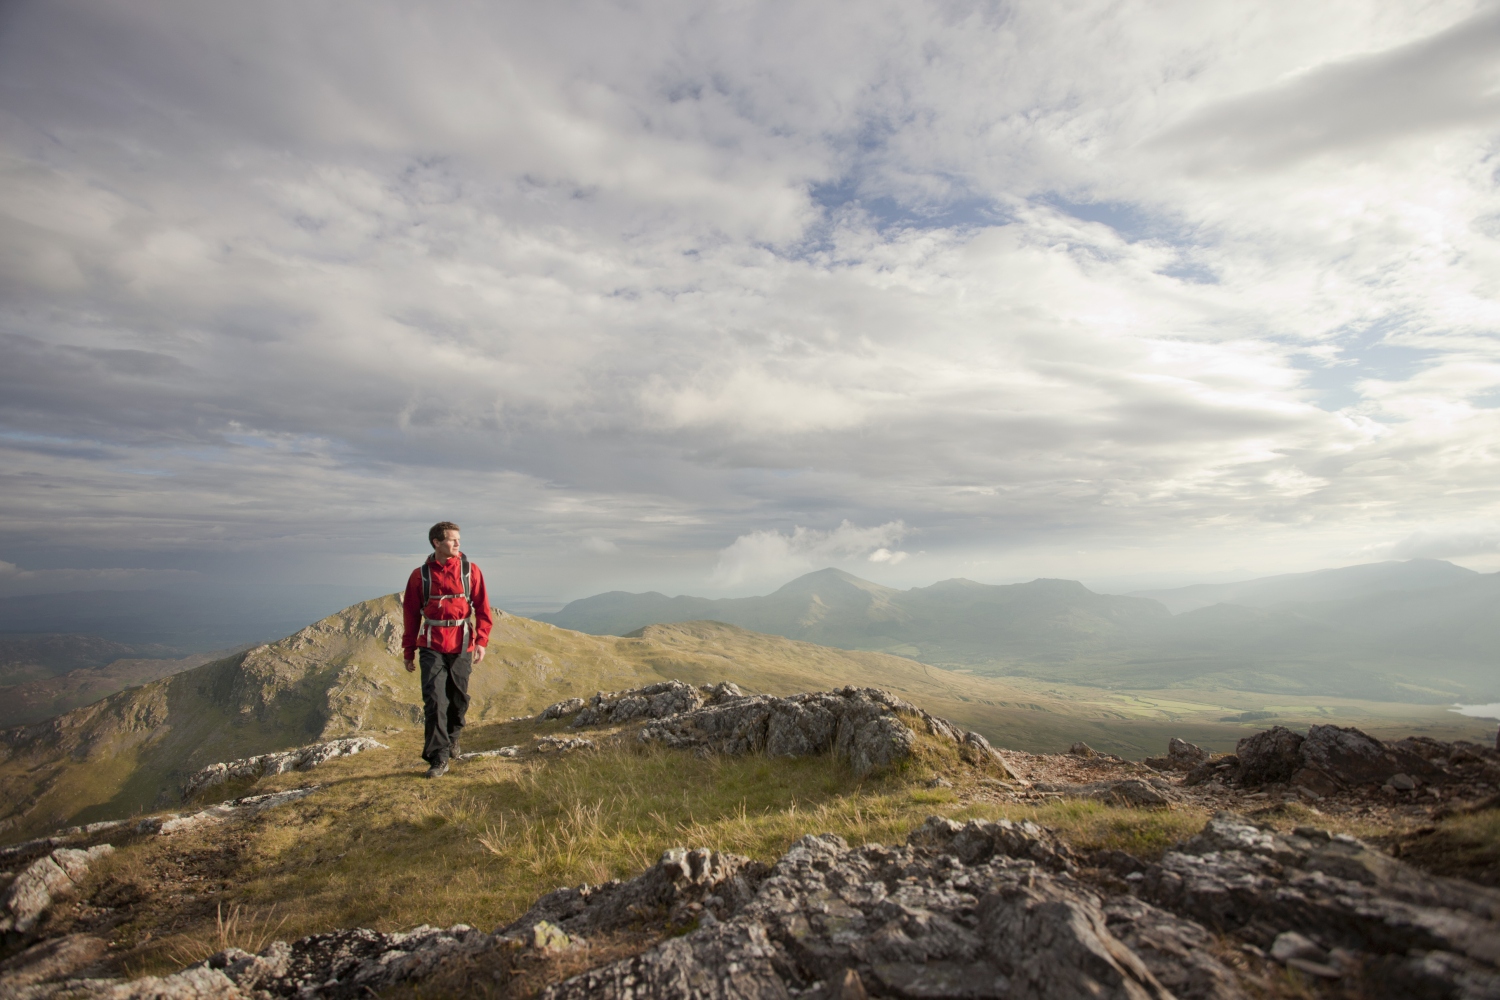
[{"x": 1430, "y": 640}]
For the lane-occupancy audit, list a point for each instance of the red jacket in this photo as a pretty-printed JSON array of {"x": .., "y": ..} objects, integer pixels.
[{"x": 447, "y": 578}]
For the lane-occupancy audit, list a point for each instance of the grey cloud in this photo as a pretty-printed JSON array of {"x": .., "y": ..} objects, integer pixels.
[
  {"x": 1447, "y": 545},
  {"x": 284, "y": 278},
  {"x": 1449, "y": 80}
]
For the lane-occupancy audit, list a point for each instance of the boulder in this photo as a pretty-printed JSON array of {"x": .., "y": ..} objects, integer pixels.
[
  {"x": 1339, "y": 757},
  {"x": 857, "y": 725},
  {"x": 43, "y": 881},
  {"x": 1270, "y": 756},
  {"x": 1181, "y": 756}
]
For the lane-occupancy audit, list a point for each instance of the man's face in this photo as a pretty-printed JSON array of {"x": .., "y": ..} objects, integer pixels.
[{"x": 446, "y": 548}]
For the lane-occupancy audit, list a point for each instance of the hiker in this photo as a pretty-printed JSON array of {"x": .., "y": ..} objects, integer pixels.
[{"x": 448, "y": 625}]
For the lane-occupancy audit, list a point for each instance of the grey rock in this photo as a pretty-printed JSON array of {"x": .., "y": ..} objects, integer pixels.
[
  {"x": 1290, "y": 944},
  {"x": 680, "y": 880},
  {"x": 979, "y": 840},
  {"x": 1224, "y": 767},
  {"x": 1269, "y": 756},
  {"x": 1338, "y": 757},
  {"x": 1184, "y": 756},
  {"x": 50, "y": 960},
  {"x": 280, "y": 762},
  {"x": 1401, "y": 782},
  {"x": 234, "y": 809},
  {"x": 654, "y": 701},
  {"x": 561, "y": 743},
  {"x": 909, "y": 921},
  {"x": 1181, "y": 756},
  {"x": 42, "y": 882},
  {"x": 350, "y": 963},
  {"x": 1178, "y": 952},
  {"x": 1081, "y": 749},
  {"x": 1337, "y": 892},
  {"x": 857, "y": 725},
  {"x": 562, "y": 709},
  {"x": 482, "y": 754}
]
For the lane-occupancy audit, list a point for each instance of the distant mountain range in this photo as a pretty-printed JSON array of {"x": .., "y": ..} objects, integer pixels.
[
  {"x": 1418, "y": 631},
  {"x": 1342, "y": 584}
]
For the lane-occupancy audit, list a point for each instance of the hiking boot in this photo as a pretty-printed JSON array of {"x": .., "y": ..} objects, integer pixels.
[
  {"x": 438, "y": 770},
  {"x": 453, "y": 751}
]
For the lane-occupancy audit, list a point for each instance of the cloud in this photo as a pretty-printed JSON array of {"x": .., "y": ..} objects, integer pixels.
[
  {"x": 774, "y": 556},
  {"x": 1448, "y": 544},
  {"x": 1448, "y": 80},
  {"x": 282, "y": 285},
  {"x": 15, "y": 581}
]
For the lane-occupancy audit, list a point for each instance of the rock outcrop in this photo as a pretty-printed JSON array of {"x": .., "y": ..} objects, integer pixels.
[
  {"x": 240, "y": 808},
  {"x": 861, "y": 726},
  {"x": 1181, "y": 756},
  {"x": 1365, "y": 915},
  {"x": 973, "y": 910},
  {"x": 265, "y": 764},
  {"x": 44, "y": 880},
  {"x": 1334, "y": 759}
]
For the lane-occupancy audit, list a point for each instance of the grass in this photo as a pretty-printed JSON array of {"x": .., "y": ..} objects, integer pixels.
[{"x": 379, "y": 846}]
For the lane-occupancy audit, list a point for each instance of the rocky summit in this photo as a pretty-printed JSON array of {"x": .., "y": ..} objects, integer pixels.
[
  {"x": 973, "y": 910},
  {"x": 1243, "y": 904},
  {"x": 860, "y": 726}
]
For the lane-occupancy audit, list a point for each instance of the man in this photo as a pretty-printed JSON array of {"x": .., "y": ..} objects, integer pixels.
[{"x": 448, "y": 622}]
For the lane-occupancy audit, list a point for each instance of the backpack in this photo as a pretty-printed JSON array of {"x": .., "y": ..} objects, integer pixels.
[{"x": 432, "y": 604}]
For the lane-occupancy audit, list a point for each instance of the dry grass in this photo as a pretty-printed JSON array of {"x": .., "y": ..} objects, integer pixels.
[
  {"x": 250, "y": 932},
  {"x": 378, "y": 846}
]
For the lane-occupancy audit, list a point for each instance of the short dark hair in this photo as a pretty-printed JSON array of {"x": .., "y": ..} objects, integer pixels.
[{"x": 438, "y": 530}]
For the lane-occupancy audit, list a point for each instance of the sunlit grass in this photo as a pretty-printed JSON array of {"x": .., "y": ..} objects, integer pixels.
[{"x": 381, "y": 847}]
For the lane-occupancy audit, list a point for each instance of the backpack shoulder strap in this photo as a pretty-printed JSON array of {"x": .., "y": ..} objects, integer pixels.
[
  {"x": 426, "y": 582},
  {"x": 465, "y": 565}
]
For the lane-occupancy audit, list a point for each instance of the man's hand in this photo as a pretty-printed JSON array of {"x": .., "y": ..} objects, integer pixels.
[
  {"x": 411, "y": 665},
  {"x": 478, "y": 654}
]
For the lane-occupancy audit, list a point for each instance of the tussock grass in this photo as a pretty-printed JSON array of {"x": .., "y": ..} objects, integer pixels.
[{"x": 378, "y": 846}]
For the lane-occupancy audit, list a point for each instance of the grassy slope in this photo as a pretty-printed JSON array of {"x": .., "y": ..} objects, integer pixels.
[
  {"x": 343, "y": 674},
  {"x": 379, "y": 846}
]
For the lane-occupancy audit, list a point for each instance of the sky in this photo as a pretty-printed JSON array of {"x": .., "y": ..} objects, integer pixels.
[{"x": 697, "y": 297}]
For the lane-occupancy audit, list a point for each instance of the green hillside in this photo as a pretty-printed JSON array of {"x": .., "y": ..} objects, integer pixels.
[{"x": 343, "y": 675}]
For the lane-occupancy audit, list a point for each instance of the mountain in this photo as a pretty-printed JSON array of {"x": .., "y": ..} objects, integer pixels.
[
  {"x": 1344, "y": 583},
  {"x": 1417, "y": 632},
  {"x": 343, "y": 675},
  {"x": 44, "y": 697},
  {"x": 955, "y": 622},
  {"x": 41, "y": 656}
]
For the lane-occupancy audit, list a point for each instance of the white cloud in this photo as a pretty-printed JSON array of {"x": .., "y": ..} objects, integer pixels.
[
  {"x": 774, "y": 556},
  {"x": 636, "y": 284},
  {"x": 1449, "y": 544}
]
